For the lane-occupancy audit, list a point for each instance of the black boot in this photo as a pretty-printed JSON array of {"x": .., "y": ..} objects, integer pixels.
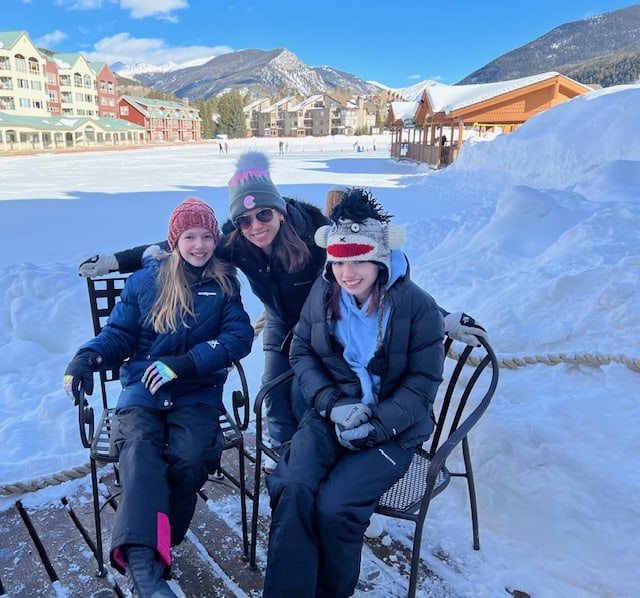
[{"x": 145, "y": 573}]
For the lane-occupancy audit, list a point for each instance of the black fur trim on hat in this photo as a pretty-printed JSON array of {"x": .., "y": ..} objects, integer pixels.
[{"x": 357, "y": 205}]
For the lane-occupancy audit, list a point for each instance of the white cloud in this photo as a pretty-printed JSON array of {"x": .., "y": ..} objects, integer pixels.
[
  {"x": 80, "y": 4},
  {"x": 50, "y": 40},
  {"x": 131, "y": 50},
  {"x": 153, "y": 8}
]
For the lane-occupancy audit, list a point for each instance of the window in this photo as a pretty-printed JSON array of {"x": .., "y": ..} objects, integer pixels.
[
  {"x": 5, "y": 63},
  {"x": 53, "y": 95},
  {"x": 23, "y": 83},
  {"x": 124, "y": 110},
  {"x": 77, "y": 80},
  {"x": 34, "y": 66},
  {"x": 25, "y": 103},
  {"x": 6, "y": 83},
  {"x": 36, "y": 85},
  {"x": 87, "y": 82},
  {"x": 38, "y": 104},
  {"x": 52, "y": 79},
  {"x": 7, "y": 103},
  {"x": 65, "y": 80},
  {"x": 21, "y": 63}
]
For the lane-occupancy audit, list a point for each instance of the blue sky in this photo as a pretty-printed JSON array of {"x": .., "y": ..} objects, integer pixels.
[{"x": 397, "y": 43}]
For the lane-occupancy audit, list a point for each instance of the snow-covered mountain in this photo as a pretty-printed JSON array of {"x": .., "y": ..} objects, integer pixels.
[
  {"x": 131, "y": 71},
  {"x": 257, "y": 71}
]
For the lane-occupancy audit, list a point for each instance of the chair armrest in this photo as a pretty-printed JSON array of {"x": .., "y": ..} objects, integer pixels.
[
  {"x": 86, "y": 421},
  {"x": 240, "y": 401},
  {"x": 257, "y": 407}
]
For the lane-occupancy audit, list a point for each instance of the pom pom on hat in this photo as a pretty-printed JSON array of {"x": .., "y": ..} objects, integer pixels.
[
  {"x": 251, "y": 186},
  {"x": 192, "y": 213},
  {"x": 360, "y": 231}
]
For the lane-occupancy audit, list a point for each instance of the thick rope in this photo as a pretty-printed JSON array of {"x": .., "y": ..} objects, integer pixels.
[
  {"x": 589, "y": 359},
  {"x": 39, "y": 484}
]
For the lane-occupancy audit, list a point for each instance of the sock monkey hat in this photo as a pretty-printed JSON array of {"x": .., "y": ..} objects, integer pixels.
[
  {"x": 360, "y": 231},
  {"x": 251, "y": 186}
]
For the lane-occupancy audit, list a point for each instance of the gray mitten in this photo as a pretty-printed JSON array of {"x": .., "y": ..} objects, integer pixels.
[
  {"x": 364, "y": 436},
  {"x": 98, "y": 265},
  {"x": 346, "y": 414},
  {"x": 462, "y": 327}
]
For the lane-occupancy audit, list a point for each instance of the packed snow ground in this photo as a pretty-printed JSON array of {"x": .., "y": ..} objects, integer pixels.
[{"x": 535, "y": 233}]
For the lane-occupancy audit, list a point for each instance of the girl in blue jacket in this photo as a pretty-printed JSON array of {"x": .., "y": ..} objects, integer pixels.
[
  {"x": 270, "y": 239},
  {"x": 179, "y": 325},
  {"x": 368, "y": 354}
]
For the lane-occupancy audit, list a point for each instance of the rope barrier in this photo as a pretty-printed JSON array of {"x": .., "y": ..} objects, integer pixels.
[
  {"x": 52, "y": 480},
  {"x": 589, "y": 359}
]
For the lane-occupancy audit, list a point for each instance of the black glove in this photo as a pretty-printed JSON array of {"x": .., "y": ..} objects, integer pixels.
[
  {"x": 462, "y": 327},
  {"x": 79, "y": 374},
  {"x": 371, "y": 433},
  {"x": 166, "y": 369}
]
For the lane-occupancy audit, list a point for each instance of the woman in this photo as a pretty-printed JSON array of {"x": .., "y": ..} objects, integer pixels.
[
  {"x": 178, "y": 327},
  {"x": 368, "y": 354}
]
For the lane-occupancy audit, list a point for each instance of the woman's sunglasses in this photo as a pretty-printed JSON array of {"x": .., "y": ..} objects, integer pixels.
[{"x": 244, "y": 222}]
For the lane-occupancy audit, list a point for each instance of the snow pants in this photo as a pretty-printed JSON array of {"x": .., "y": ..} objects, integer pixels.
[
  {"x": 322, "y": 497},
  {"x": 164, "y": 459},
  {"x": 285, "y": 406}
]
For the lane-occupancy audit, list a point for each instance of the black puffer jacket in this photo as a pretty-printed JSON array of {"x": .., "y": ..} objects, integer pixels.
[
  {"x": 282, "y": 294},
  {"x": 413, "y": 360}
]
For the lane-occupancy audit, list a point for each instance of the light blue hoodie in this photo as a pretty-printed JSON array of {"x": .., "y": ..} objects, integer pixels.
[{"x": 358, "y": 332}]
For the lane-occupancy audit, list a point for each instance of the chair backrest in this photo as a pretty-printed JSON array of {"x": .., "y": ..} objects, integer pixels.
[
  {"x": 468, "y": 390},
  {"x": 104, "y": 293}
]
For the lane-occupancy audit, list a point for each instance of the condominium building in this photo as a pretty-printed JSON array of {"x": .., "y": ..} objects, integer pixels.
[{"x": 56, "y": 101}]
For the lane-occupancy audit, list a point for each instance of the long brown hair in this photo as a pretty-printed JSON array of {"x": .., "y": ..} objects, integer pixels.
[
  {"x": 175, "y": 300},
  {"x": 289, "y": 248}
]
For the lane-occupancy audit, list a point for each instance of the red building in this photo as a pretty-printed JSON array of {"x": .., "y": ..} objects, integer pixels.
[{"x": 163, "y": 120}]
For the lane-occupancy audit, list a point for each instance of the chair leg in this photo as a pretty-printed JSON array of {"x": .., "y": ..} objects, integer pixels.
[
  {"x": 243, "y": 504},
  {"x": 256, "y": 505},
  {"x": 415, "y": 559},
  {"x": 96, "y": 515},
  {"x": 472, "y": 494}
]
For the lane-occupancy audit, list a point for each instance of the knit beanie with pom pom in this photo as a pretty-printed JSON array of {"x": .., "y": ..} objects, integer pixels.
[
  {"x": 251, "y": 186},
  {"x": 192, "y": 213}
]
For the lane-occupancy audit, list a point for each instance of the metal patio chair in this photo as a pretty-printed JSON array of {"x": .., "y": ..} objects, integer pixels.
[
  {"x": 462, "y": 399},
  {"x": 104, "y": 293}
]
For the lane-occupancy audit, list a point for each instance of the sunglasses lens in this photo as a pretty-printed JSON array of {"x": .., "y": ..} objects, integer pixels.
[
  {"x": 265, "y": 215},
  {"x": 244, "y": 222}
]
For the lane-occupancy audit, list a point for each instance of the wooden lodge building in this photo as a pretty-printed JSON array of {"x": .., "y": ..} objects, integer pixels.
[{"x": 433, "y": 127}]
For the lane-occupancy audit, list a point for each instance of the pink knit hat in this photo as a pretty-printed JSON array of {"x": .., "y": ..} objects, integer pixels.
[{"x": 192, "y": 213}]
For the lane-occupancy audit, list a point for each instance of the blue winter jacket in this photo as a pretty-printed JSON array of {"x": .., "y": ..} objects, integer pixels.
[{"x": 220, "y": 334}]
